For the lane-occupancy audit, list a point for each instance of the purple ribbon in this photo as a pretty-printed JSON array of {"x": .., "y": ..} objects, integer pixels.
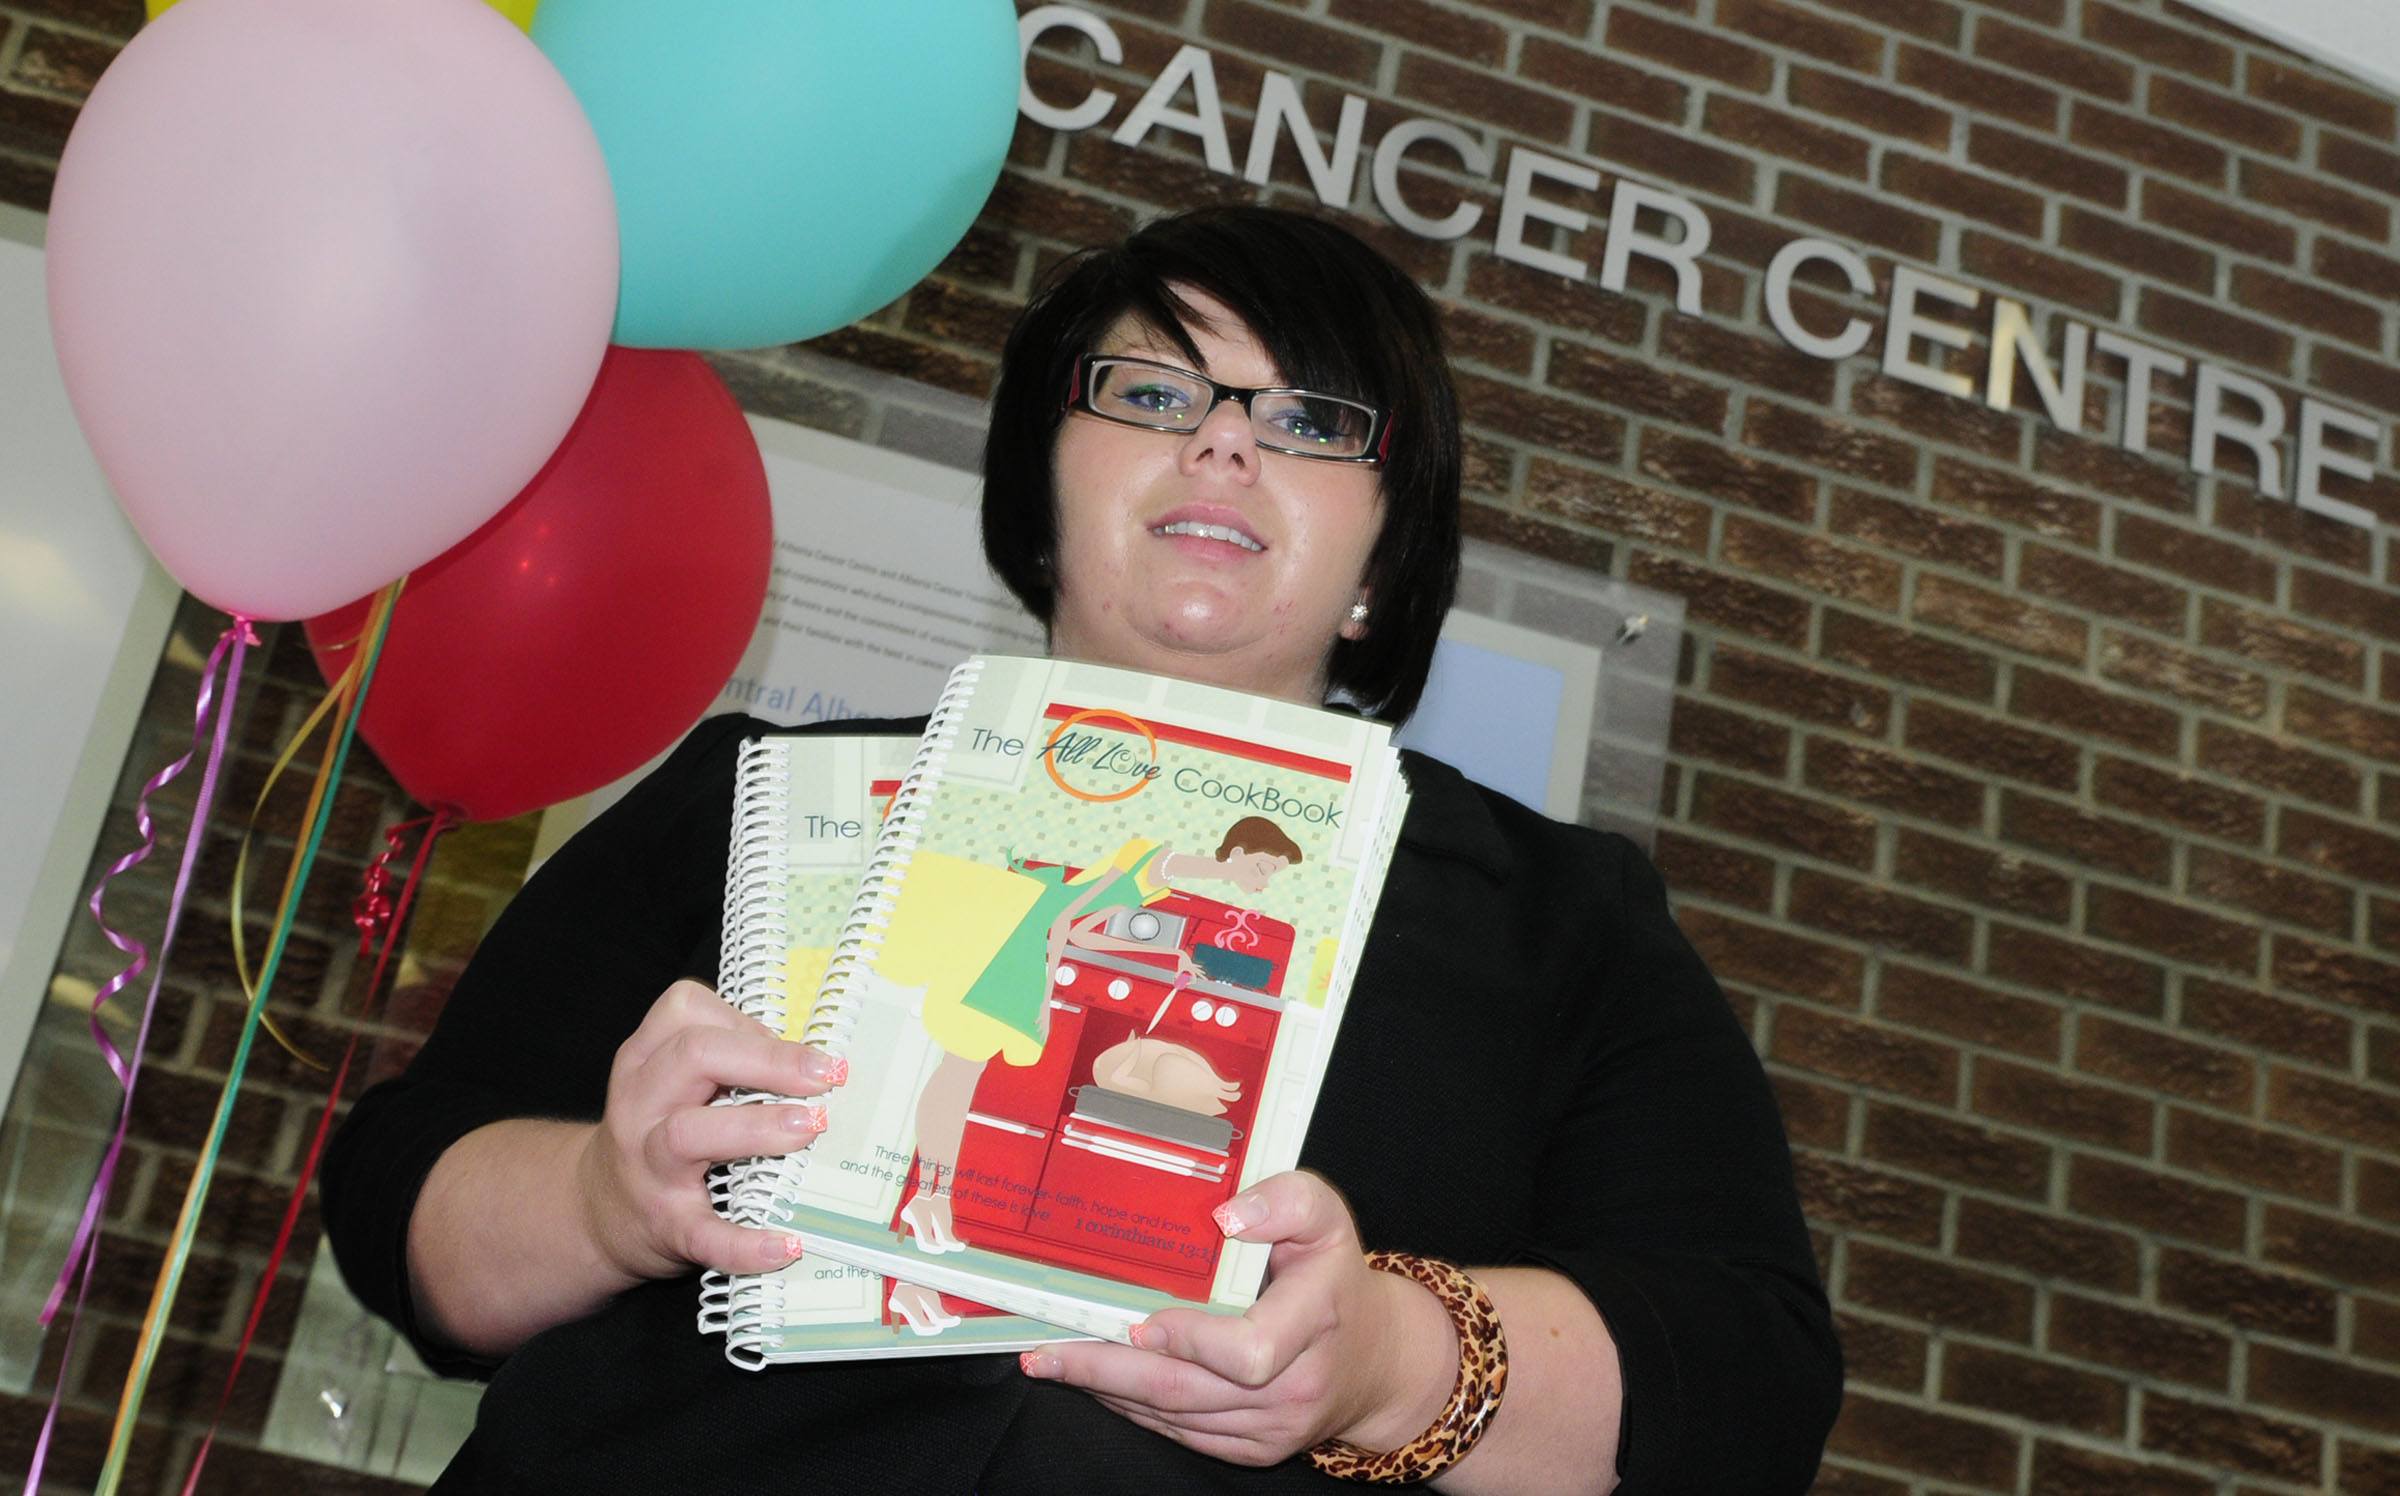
[{"x": 211, "y": 722}]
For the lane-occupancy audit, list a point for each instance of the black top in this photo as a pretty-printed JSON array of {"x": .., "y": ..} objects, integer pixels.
[{"x": 1534, "y": 1068}]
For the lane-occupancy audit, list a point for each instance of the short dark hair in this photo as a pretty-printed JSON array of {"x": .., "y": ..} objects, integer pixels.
[
  {"x": 1258, "y": 834},
  {"x": 1335, "y": 316}
]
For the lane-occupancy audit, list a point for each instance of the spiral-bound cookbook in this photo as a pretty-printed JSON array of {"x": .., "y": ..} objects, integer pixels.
[{"x": 1087, "y": 986}]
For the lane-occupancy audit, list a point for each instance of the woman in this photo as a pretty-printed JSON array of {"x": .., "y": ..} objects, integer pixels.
[{"x": 1536, "y": 1077}]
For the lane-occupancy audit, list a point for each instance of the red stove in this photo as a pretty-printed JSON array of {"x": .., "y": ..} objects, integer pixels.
[{"x": 1110, "y": 1152}]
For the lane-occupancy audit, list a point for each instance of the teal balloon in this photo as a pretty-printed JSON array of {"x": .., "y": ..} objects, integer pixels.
[{"x": 784, "y": 167}]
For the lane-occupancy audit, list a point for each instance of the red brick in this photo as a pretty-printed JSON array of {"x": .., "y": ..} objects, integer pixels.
[
  {"x": 2005, "y": 496},
  {"x": 2274, "y": 640},
  {"x": 1738, "y": 121},
  {"x": 1721, "y": 474},
  {"x": 2353, "y": 213},
  {"x": 1484, "y": 96},
  {"x": 1973, "y": 86},
  {"x": 1604, "y": 503},
  {"x": 1448, "y": 32},
  {"x": 2369, "y": 1470},
  {"x": 2060, "y": 169},
  {"x": 1672, "y": 155},
  {"x": 1810, "y": 562},
  {"x": 2105, "y": 1117},
  {"x": 2379, "y": 1182},
  {"x": 1888, "y": 114},
  {"x": 2146, "y": 145},
  {"x": 1722, "y": 600},
  {"x": 2245, "y": 1297},
  {"x": 2096, "y": 840},
  {"x": 2196, "y": 557},
  {"x": 2337, "y": 847},
  {"x": 1798, "y": 690},
  {"x": 2170, "y": 1349},
  {"x": 1858, "y": 216},
  {"x": 2228, "y": 1437},
  {"x": 1813, "y": 828},
  {"x": 2311, "y": 93},
  {"x": 1853, "y": 1197},
  {"x": 2199, "y": 324},
  {"x": 1564, "y": 305},
  {"x": 1982, "y": 875},
  {"x": 1580, "y": 70},
  {"x": 2336, "y": 1109},
  {"x": 2346, "y": 604},
  {"x": 1637, "y": 385},
  {"x": 1688, "y": 49},
  {"x": 1814, "y": 1116},
  {"x": 1571, "y": 16},
  {"x": 2359, "y": 269},
  {"x": 2051, "y": 57},
  {"x": 2179, "y": 800},
  {"x": 2174, "y": 930},
  {"x": 2151, "y": 41},
  {"x": 2156, "y": 1202},
  {"x": 2266, "y": 1022},
  {"x": 1762, "y": 955},
  {"x": 2263, "y": 1160},
  {"x": 1692, "y": 865},
  {"x": 2367, "y": 381},
  {"x": 2325, "y": 1388},
  {"x": 1919, "y": 532},
  {"x": 2102, "y": 466},
  {"x": 2061, "y": 1470},
  {"x": 2039, "y": 696},
  {"x": 1904, "y": 654},
  {"x": 1882, "y": 1354},
  {"x": 1939, "y": 1294},
  {"x": 1963, "y": 193},
  {"x": 1980, "y": 1158},
  {"x": 2158, "y": 256},
  {"x": 1910, "y": 1438},
  {"x": 1889, "y": 780},
  {"x": 2172, "y": 207},
  {"x": 1284, "y": 37},
  {"x": 1702, "y": 729},
  {"x": 1569, "y": 426},
  {"x": 1938, "y": 417},
  {"x": 2049, "y": 1247},
  {"x": 1523, "y": 532},
  {"x": 1880, "y": 916},
  {"x": 2134, "y": 660},
  {"x": 2098, "y": 588},
  {"x": 2371, "y": 167},
  {"x": 2295, "y": 301},
  {"x": 2000, "y": 618},
  {"x": 1992, "y": 744},
  {"x": 2048, "y": 276},
  {"x": 2036, "y": 1391},
  {"x": 2154, "y": 1061}
]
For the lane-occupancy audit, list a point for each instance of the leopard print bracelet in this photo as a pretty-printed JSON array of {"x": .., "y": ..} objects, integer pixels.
[{"x": 1482, "y": 1377}]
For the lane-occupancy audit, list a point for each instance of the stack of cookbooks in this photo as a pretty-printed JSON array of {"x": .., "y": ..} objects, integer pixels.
[{"x": 1085, "y": 945}]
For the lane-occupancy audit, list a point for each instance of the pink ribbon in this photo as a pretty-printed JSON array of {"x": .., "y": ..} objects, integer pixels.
[{"x": 212, "y": 719}]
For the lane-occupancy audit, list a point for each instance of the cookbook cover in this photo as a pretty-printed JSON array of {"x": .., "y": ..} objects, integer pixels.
[{"x": 1089, "y": 987}]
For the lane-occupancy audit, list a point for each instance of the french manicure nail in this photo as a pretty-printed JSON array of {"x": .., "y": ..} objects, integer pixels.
[
  {"x": 808, "y": 1119},
  {"x": 1147, "y": 1336},
  {"x": 1039, "y": 1364},
  {"x": 1239, "y": 1214},
  {"x": 837, "y": 1070},
  {"x": 791, "y": 1249}
]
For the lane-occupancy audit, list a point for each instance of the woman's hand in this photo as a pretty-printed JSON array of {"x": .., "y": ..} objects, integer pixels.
[
  {"x": 1332, "y": 1348},
  {"x": 643, "y": 1170}
]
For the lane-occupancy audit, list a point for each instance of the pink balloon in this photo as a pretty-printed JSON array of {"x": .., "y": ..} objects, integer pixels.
[{"x": 329, "y": 282}]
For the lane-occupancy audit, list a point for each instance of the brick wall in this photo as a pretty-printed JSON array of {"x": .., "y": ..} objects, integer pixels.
[{"x": 2038, "y": 802}]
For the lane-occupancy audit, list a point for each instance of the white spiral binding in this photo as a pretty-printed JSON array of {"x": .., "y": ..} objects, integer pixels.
[{"x": 748, "y": 1308}]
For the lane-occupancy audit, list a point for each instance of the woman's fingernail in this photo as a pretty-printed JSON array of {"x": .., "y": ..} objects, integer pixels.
[
  {"x": 1040, "y": 1364},
  {"x": 808, "y": 1119},
  {"x": 791, "y": 1249},
  {"x": 1240, "y": 1214},
  {"x": 837, "y": 1070},
  {"x": 1148, "y": 1336}
]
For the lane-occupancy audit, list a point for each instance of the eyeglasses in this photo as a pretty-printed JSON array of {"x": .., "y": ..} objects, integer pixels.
[{"x": 1161, "y": 397}]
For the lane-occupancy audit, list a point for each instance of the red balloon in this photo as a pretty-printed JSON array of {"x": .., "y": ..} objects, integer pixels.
[{"x": 590, "y": 622}]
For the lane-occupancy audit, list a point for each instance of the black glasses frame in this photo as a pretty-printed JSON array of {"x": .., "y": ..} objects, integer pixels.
[{"x": 1079, "y": 397}]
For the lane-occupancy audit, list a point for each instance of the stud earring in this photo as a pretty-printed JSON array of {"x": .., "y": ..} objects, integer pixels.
[{"x": 1358, "y": 612}]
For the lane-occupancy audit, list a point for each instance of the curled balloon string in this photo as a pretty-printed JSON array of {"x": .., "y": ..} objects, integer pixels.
[
  {"x": 212, "y": 718},
  {"x": 372, "y": 910},
  {"x": 195, "y": 1197},
  {"x": 395, "y": 919}
]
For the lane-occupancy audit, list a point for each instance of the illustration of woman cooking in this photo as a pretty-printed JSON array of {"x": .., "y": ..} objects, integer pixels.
[{"x": 991, "y": 996}]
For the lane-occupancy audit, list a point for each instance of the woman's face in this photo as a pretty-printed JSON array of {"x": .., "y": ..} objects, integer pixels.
[{"x": 1133, "y": 590}]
